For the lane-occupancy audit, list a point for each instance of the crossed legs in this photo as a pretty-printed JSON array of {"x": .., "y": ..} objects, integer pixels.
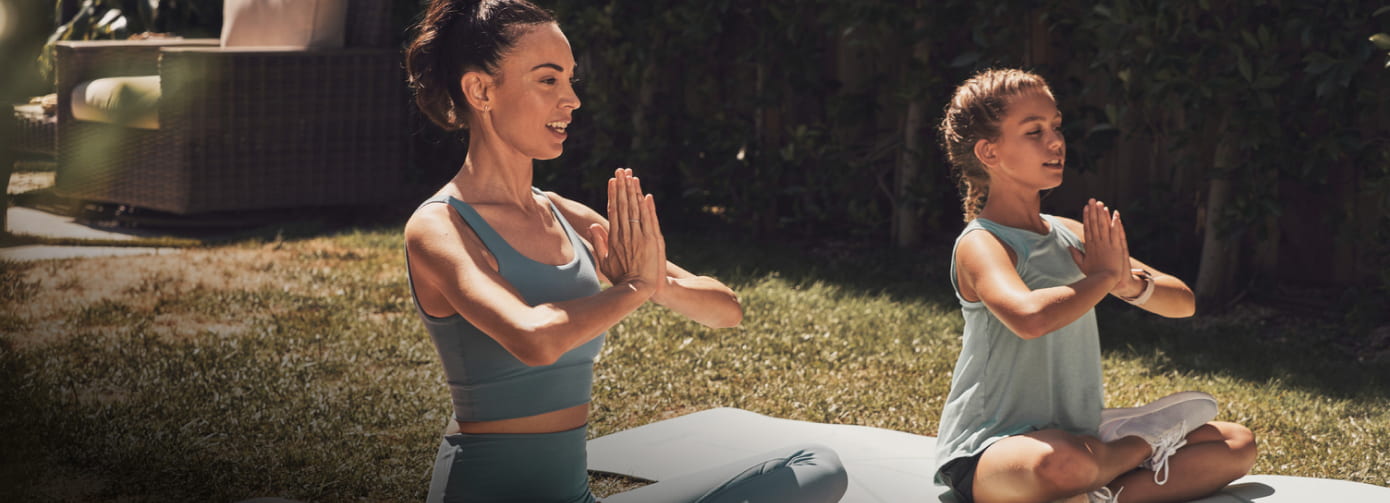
[{"x": 1050, "y": 465}]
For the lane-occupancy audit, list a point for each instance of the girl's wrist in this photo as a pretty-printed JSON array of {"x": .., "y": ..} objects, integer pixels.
[
  {"x": 1141, "y": 283},
  {"x": 1129, "y": 286}
]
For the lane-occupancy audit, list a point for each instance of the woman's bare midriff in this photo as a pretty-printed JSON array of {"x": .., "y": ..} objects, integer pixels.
[{"x": 549, "y": 422}]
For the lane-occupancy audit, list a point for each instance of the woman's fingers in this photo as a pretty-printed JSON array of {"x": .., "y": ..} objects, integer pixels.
[
  {"x": 600, "y": 243},
  {"x": 626, "y": 207},
  {"x": 615, "y": 224},
  {"x": 656, "y": 228},
  {"x": 634, "y": 195}
]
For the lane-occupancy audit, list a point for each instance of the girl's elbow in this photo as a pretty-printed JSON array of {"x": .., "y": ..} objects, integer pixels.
[
  {"x": 1186, "y": 306},
  {"x": 1184, "y": 311},
  {"x": 1030, "y": 334},
  {"x": 1032, "y": 327}
]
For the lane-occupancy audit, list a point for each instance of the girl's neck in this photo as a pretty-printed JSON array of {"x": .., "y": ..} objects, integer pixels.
[
  {"x": 1020, "y": 210},
  {"x": 493, "y": 172}
]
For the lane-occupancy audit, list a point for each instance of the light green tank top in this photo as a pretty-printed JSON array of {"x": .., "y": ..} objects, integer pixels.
[{"x": 1005, "y": 385}]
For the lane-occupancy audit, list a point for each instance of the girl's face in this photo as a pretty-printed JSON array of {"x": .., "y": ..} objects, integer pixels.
[
  {"x": 1030, "y": 150},
  {"x": 533, "y": 95}
]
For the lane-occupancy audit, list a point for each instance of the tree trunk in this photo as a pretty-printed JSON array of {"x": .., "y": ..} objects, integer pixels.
[
  {"x": 907, "y": 215},
  {"x": 1217, "y": 273}
]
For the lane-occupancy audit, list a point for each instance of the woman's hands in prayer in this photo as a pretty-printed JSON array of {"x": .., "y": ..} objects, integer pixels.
[{"x": 631, "y": 251}]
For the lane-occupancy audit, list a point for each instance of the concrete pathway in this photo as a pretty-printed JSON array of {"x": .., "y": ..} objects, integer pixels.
[
  {"x": 32, "y": 253},
  {"x": 31, "y": 222}
]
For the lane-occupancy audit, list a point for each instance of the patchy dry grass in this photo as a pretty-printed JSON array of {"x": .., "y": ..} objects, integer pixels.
[{"x": 297, "y": 368}]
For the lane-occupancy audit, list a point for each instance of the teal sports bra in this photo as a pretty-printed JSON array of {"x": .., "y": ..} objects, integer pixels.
[{"x": 486, "y": 382}]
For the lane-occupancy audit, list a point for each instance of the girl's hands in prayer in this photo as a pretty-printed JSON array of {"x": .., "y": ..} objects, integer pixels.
[
  {"x": 1107, "y": 249},
  {"x": 632, "y": 249}
]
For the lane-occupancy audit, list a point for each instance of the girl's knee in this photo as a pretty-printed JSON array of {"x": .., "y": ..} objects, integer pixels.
[
  {"x": 1066, "y": 469},
  {"x": 1242, "y": 444}
]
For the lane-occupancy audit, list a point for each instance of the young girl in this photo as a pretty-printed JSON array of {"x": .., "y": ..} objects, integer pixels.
[
  {"x": 1023, "y": 422},
  {"x": 506, "y": 277}
]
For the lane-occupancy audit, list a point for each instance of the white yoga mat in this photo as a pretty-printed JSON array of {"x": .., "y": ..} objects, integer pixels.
[{"x": 883, "y": 465}]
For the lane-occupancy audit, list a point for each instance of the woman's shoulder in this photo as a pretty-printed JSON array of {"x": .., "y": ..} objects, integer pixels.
[
  {"x": 429, "y": 219},
  {"x": 579, "y": 214}
]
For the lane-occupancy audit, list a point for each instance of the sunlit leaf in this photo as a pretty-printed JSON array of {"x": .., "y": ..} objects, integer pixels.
[{"x": 1382, "y": 41}]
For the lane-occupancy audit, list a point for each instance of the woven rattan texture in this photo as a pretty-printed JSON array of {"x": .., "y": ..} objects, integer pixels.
[{"x": 244, "y": 128}]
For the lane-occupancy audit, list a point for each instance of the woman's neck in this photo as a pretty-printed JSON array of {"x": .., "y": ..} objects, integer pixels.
[
  {"x": 1017, "y": 209},
  {"x": 493, "y": 173}
]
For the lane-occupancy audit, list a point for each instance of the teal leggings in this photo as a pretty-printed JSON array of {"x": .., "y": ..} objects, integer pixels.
[{"x": 550, "y": 467}]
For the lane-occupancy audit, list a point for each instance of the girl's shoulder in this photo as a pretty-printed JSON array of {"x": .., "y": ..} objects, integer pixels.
[{"x": 1069, "y": 226}]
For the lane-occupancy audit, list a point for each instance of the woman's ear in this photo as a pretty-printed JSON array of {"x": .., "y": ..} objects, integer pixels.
[
  {"x": 477, "y": 89},
  {"x": 985, "y": 152}
]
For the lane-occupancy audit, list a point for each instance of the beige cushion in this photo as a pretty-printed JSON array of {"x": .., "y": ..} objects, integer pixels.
[
  {"x": 128, "y": 101},
  {"x": 304, "y": 24}
]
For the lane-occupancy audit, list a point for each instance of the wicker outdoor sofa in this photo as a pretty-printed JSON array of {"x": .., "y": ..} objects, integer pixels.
[{"x": 243, "y": 128}]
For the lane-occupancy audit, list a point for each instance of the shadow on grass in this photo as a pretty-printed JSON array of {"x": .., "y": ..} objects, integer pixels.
[{"x": 1249, "y": 343}]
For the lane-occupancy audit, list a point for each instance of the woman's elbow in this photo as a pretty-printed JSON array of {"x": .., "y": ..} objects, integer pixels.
[
  {"x": 535, "y": 355},
  {"x": 730, "y": 319},
  {"x": 729, "y": 316},
  {"x": 530, "y": 349}
]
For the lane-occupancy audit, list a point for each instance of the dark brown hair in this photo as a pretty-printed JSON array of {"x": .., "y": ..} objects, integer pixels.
[
  {"x": 454, "y": 37},
  {"x": 974, "y": 114}
]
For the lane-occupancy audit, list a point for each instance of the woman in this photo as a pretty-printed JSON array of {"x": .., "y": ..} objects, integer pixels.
[
  {"x": 506, "y": 277},
  {"x": 1023, "y": 422}
]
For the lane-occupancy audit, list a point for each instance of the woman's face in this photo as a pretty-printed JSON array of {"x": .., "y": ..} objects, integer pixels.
[
  {"x": 1030, "y": 150},
  {"x": 533, "y": 95}
]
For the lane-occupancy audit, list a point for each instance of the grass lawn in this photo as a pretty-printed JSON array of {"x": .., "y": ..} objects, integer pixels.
[{"x": 297, "y": 367}]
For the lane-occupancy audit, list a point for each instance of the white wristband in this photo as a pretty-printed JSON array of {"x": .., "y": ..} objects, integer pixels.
[{"x": 1143, "y": 297}]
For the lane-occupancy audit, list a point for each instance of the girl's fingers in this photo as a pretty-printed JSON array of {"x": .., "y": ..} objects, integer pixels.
[
  {"x": 1124, "y": 241},
  {"x": 1092, "y": 233},
  {"x": 1086, "y": 223},
  {"x": 613, "y": 220},
  {"x": 1104, "y": 223}
]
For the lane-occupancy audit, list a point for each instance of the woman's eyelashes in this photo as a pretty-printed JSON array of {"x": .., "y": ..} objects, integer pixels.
[{"x": 550, "y": 81}]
